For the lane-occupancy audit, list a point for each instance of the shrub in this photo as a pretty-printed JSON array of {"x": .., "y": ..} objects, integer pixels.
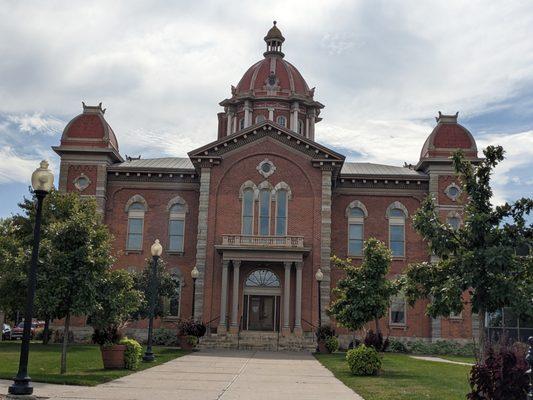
[
  {"x": 375, "y": 340},
  {"x": 332, "y": 344},
  {"x": 164, "y": 337},
  {"x": 192, "y": 340},
  {"x": 58, "y": 336},
  {"x": 107, "y": 336},
  {"x": 324, "y": 332},
  {"x": 501, "y": 376},
  {"x": 354, "y": 343},
  {"x": 418, "y": 347},
  {"x": 397, "y": 346},
  {"x": 190, "y": 327},
  {"x": 133, "y": 353},
  {"x": 440, "y": 347},
  {"x": 364, "y": 360}
]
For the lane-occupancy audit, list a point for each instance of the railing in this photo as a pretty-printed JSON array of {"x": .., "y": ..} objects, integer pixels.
[{"x": 263, "y": 241}]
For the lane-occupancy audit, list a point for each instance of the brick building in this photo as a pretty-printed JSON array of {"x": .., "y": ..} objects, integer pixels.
[{"x": 259, "y": 210}]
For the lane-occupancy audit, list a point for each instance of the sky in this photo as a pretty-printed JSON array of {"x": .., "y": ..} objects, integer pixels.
[{"x": 383, "y": 69}]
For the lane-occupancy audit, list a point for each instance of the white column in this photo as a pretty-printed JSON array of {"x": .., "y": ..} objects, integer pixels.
[
  {"x": 294, "y": 116},
  {"x": 235, "y": 123},
  {"x": 247, "y": 114},
  {"x": 306, "y": 133},
  {"x": 229, "y": 117},
  {"x": 271, "y": 114},
  {"x": 311, "y": 134},
  {"x": 234, "y": 325},
  {"x": 222, "y": 327},
  {"x": 287, "y": 298},
  {"x": 298, "y": 305}
]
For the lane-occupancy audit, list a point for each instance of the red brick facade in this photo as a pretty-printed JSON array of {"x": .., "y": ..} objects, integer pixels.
[{"x": 320, "y": 186}]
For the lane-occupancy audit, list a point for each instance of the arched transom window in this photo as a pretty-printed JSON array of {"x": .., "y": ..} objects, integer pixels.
[
  {"x": 262, "y": 278},
  {"x": 176, "y": 226},
  {"x": 356, "y": 213},
  {"x": 397, "y": 213}
]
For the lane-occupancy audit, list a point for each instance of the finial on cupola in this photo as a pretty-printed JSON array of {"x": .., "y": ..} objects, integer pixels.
[{"x": 274, "y": 39}]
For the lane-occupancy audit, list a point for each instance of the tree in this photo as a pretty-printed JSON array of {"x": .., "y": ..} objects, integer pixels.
[
  {"x": 480, "y": 257},
  {"x": 166, "y": 286},
  {"x": 364, "y": 293}
]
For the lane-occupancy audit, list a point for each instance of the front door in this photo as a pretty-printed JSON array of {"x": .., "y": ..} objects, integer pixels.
[{"x": 261, "y": 312}]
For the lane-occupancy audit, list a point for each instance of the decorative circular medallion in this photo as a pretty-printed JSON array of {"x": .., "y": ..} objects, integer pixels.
[
  {"x": 453, "y": 191},
  {"x": 82, "y": 182},
  {"x": 266, "y": 168}
]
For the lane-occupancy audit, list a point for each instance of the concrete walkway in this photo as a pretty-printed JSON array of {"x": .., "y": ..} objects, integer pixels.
[
  {"x": 441, "y": 360},
  {"x": 214, "y": 375}
]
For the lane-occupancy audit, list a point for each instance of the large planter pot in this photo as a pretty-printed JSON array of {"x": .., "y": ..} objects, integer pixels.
[
  {"x": 185, "y": 344},
  {"x": 322, "y": 347},
  {"x": 113, "y": 356}
]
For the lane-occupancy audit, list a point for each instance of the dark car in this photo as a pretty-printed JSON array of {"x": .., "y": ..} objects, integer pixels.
[
  {"x": 6, "y": 332},
  {"x": 16, "y": 333}
]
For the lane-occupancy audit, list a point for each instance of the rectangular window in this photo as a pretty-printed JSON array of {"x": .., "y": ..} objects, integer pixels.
[
  {"x": 397, "y": 240},
  {"x": 264, "y": 213},
  {"x": 176, "y": 230},
  {"x": 281, "y": 214},
  {"x": 397, "y": 311},
  {"x": 248, "y": 212},
  {"x": 135, "y": 233},
  {"x": 355, "y": 242}
]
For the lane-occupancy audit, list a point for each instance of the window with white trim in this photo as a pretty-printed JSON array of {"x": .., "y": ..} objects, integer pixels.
[
  {"x": 248, "y": 211},
  {"x": 135, "y": 226},
  {"x": 264, "y": 212},
  {"x": 281, "y": 120},
  {"x": 398, "y": 311},
  {"x": 397, "y": 232},
  {"x": 281, "y": 212},
  {"x": 176, "y": 227},
  {"x": 356, "y": 218}
]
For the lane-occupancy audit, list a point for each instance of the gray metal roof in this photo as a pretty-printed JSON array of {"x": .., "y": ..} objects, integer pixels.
[
  {"x": 360, "y": 168},
  {"x": 173, "y": 163}
]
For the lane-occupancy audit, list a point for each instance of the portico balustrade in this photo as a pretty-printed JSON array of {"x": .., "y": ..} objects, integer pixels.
[{"x": 263, "y": 241}]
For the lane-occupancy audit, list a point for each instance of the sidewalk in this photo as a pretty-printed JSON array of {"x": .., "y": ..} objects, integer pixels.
[{"x": 216, "y": 375}]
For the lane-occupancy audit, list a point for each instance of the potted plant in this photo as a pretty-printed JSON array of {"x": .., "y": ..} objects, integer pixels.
[
  {"x": 117, "y": 299},
  {"x": 323, "y": 333},
  {"x": 189, "y": 333}
]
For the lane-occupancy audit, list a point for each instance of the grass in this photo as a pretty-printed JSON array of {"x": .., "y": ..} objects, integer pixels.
[
  {"x": 403, "y": 378},
  {"x": 465, "y": 359},
  {"x": 84, "y": 363}
]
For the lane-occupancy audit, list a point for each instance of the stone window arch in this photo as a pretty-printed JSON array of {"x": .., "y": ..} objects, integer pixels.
[
  {"x": 177, "y": 210},
  {"x": 356, "y": 213},
  {"x": 136, "y": 207},
  {"x": 397, "y": 214}
]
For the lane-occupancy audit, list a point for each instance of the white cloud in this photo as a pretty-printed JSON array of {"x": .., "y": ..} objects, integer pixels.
[
  {"x": 16, "y": 168},
  {"x": 37, "y": 123}
]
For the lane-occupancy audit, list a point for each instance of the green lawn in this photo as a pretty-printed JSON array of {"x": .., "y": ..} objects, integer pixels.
[
  {"x": 403, "y": 378},
  {"x": 84, "y": 363}
]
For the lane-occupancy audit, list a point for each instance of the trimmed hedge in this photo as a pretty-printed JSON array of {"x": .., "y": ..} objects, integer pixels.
[
  {"x": 364, "y": 360},
  {"x": 133, "y": 353},
  {"x": 440, "y": 347}
]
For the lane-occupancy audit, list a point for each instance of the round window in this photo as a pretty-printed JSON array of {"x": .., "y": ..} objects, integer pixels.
[
  {"x": 265, "y": 168},
  {"x": 453, "y": 191}
]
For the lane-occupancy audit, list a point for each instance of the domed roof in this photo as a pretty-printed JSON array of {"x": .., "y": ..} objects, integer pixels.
[
  {"x": 447, "y": 137},
  {"x": 89, "y": 129},
  {"x": 274, "y": 33}
]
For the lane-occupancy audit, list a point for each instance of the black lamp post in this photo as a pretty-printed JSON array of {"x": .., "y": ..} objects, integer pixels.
[
  {"x": 319, "y": 276},
  {"x": 42, "y": 181},
  {"x": 156, "y": 250},
  {"x": 194, "y": 275}
]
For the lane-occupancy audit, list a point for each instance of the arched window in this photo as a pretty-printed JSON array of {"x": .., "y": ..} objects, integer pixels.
[
  {"x": 281, "y": 212},
  {"x": 259, "y": 118},
  {"x": 397, "y": 213},
  {"x": 262, "y": 278},
  {"x": 241, "y": 124},
  {"x": 281, "y": 120},
  {"x": 264, "y": 212},
  {"x": 301, "y": 127},
  {"x": 176, "y": 226},
  {"x": 248, "y": 211},
  {"x": 136, "y": 212},
  {"x": 355, "y": 231},
  {"x": 454, "y": 222}
]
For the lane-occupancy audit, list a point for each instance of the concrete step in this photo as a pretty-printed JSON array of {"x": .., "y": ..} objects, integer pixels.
[{"x": 269, "y": 341}]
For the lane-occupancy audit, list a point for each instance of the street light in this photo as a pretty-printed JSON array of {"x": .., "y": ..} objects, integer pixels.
[
  {"x": 156, "y": 251},
  {"x": 42, "y": 181},
  {"x": 319, "y": 276},
  {"x": 194, "y": 275}
]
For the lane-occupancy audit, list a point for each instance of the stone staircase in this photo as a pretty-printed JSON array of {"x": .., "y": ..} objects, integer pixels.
[{"x": 265, "y": 341}]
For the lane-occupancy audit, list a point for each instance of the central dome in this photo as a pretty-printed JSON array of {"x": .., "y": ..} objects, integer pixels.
[{"x": 272, "y": 89}]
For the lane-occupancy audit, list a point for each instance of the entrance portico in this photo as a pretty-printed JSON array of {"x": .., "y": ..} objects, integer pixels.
[{"x": 266, "y": 285}]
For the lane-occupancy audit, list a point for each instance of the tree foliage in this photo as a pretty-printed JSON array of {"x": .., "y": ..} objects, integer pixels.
[
  {"x": 364, "y": 293},
  {"x": 480, "y": 257}
]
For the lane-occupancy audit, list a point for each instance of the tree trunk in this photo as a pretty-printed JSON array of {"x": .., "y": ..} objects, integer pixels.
[
  {"x": 46, "y": 331},
  {"x": 378, "y": 329},
  {"x": 65, "y": 344}
]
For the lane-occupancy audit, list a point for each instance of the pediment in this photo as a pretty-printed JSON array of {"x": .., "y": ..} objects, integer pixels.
[{"x": 214, "y": 152}]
